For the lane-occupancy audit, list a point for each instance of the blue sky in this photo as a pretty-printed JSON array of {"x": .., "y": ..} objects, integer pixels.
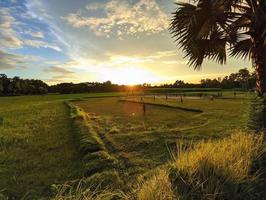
[{"x": 96, "y": 40}]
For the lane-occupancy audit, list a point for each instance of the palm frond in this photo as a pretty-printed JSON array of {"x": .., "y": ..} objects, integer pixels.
[
  {"x": 200, "y": 35},
  {"x": 241, "y": 49}
]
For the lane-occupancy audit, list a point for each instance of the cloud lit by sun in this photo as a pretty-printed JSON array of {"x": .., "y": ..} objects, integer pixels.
[{"x": 126, "y": 42}]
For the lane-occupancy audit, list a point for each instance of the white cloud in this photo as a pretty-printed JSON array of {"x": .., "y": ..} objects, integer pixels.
[
  {"x": 8, "y": 37},
  {"x": 121, "y": 18},
  {"x": 40, "y": 43},
  {"x": 11, "y": 61},
  {"x": 35, "y": 34}
]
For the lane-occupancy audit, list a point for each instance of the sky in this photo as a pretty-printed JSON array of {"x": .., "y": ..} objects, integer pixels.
[{"x": 124, "y": 41}]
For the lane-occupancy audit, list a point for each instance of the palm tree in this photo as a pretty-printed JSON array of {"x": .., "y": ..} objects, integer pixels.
[{"x": 212, "y": 28}]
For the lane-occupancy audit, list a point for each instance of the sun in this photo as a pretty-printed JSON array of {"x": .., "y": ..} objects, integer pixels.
[{"x": 132, "y": 76}]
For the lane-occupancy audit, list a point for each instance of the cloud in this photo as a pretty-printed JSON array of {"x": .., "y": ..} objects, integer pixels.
[
  {"x": 11, "y": 61},
  {"x": 174, "y": 62},
  {"x": 40, "y": 43},
  {"x": 59, "y": 70},
  {"x": 59, "y": 73},
  {"x": 8, "y": 37},
  {"x": 120, "y": 18},
  {"x": 35, "y": 34}
]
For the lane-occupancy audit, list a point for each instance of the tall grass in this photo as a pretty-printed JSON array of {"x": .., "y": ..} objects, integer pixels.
[
  {"x": 157, "y": 187},
  {"x": 220, "y": 169},
  {"x": 213, "y": 170},
  {"x": 81, "y": 191}
]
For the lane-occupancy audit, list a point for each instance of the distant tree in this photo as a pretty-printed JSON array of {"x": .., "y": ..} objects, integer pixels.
[
  {"x": 179, "y": 84},
  {"x": 18, "y": 86},
  {"x": 208, "y": 28}
]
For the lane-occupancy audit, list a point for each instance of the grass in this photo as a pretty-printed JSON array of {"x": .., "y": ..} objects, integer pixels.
[
  {"x": 46, "y": 142},
  {"x": 141, "y": 142},
  {"x": 213, "y": 169},
  {"x": 37, "y": 149},
  {"x": 37, "y": 146}
]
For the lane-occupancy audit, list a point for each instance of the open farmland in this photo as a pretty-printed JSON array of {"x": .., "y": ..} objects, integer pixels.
[
  {"x": 139, "y": 142},
  {"x": 112, "y": 143}
]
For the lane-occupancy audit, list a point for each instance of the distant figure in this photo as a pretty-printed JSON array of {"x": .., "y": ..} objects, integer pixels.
[
  {"x": 211, "y": 97},
  {"x": 144, "y": 108},
  {"x": 200, "y": 95},
  {"x": 154, "y": 98},
  {"x": 181, "y": 99},
  {"x": 234, "y": 93}
]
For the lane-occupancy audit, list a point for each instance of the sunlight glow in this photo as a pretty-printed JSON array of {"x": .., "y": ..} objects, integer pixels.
[{"x": 132, "y": 76}]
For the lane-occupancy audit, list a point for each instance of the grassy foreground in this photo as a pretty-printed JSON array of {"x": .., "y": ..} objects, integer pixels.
[
  {"x": 222, "y": 169},
  {"x": 109, "y": 145}
]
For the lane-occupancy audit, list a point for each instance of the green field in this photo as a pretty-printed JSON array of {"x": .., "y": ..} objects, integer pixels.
[{"x": 107, "y": 141}]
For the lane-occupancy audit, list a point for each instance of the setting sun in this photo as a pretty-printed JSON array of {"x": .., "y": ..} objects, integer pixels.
[{"x": 132, "y": 76}]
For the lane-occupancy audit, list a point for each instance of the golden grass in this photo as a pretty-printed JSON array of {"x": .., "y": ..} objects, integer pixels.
[
  {"x": 84, "y": 192},
  {"x": 218, "y": 169},
  {"x": 213, "y": 170},
  {"x": 158, "y": 187}
]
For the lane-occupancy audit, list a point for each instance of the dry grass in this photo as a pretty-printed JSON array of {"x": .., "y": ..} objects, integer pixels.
[
  {"x": 158, "y": 187},
  {"x": 213, "y": 170},
  {"x": 82, "y": 191},
  {"x": 219, "y": 169}
]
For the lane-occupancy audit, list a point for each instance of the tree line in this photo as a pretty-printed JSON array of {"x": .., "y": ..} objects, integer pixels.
[
  {"x": 17, "y": 86},
  {"x": 67, "y": 88},
  {"x": 243, "y": 79}
]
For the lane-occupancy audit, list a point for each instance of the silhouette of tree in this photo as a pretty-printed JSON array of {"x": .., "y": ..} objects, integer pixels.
[{"x": 206, "y": 29}]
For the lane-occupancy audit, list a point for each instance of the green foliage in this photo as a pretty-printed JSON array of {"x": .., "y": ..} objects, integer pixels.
[{"x": 18, "y": 86}]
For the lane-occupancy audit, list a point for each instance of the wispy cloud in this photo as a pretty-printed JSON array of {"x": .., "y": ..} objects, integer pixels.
[
  {"x": 11, "y": 38},
  {"x": 40, "y": 43},
  {"x": 59, "y": 70},
  {"x": 120, "y": 18},
  {"x": 11, "y": 61},
  {"x": 35, "y": 34},
  {"x": 8, "y": 36}
]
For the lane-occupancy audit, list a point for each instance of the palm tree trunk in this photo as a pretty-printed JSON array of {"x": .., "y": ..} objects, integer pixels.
[
  {"x": 261, "y": 78},
  {"x": 259, "y": 62}
]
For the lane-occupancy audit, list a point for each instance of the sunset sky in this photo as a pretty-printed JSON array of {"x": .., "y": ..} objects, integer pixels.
[{"x": 126, "y": 42}]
